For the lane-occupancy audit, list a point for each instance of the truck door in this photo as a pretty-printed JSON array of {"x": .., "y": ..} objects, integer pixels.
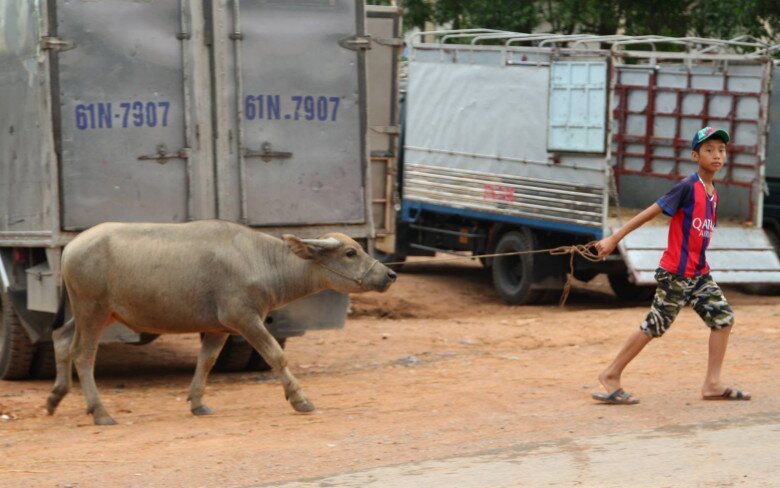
[
  {"x": 123, "y": 150},
  {"x": 300, "y": 145}
]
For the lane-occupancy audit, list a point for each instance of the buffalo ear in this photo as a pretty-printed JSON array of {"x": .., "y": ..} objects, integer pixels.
[{"x": 298, "y": 246}]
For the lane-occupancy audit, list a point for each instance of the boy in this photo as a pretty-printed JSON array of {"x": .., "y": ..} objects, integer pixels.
[{"x": 683, "y": 274}]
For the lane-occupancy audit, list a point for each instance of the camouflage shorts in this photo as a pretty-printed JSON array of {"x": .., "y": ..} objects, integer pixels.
[{"x": 674, "y": 292}]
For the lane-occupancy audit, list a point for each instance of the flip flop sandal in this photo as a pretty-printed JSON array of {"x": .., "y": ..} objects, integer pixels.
[
  {"x": 617, "y": 397},
  {"x": 727, "y": 395}
]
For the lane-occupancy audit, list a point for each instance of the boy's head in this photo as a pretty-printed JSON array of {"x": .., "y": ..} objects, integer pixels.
[
  {"x": 709, "y": 148},
  {"x": 706, "y": 133}
]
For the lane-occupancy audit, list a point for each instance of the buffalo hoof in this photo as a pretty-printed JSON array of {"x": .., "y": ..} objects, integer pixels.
[
  {"x": 104, "y": 421},
  {"x": 303, "y": 406},
  {"x": 202, "y": 410},
  {"x": 52, "y": 403}
]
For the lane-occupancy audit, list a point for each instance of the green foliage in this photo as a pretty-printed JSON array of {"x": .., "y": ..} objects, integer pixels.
[
  {"x": 417, "y": 13},
  {"x": 727, "y": 19},
  {"x": 590, "y": 16},
  {"x": 723, "y": 19},
  {"x": 511, "y": 15},
  {"x": 662, "y": 18}
]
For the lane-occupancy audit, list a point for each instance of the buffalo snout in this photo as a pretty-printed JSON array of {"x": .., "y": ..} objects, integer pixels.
[{"x": 380, "y": 278}]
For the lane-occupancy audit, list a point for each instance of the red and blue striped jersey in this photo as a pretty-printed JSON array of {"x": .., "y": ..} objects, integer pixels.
[{"x": 691, "y": 228}]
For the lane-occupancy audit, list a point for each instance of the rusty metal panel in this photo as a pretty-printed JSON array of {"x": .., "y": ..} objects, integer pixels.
[
  {"x": 736, "y": 255},
  {"x": 658, "y": 107}
]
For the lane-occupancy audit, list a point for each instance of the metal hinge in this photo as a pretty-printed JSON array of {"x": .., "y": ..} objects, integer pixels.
[
  {"x": 162, "y": 155},
  {"x": 57, "y": 44},
  {"x": 389, "y": 41},
  {"x": 392, "y": 130},
  {"x": 266, "y": 154},
  {"x": 356, "y": 42}
]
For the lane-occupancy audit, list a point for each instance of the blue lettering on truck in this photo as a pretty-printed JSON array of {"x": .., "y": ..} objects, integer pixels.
[
  {"x": 111, "y": 115},
  {"x": 137, "y": 113},
  {"x": 297, "y": 107}
]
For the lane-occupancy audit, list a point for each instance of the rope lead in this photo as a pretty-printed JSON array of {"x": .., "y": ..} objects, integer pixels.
[{"x": 584, "y": 250}]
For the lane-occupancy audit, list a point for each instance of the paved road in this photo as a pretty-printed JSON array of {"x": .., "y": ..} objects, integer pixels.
[{"x": 725, "y": 453}]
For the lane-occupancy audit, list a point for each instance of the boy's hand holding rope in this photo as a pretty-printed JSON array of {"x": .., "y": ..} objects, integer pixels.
[{"x": 587, "y": 251}]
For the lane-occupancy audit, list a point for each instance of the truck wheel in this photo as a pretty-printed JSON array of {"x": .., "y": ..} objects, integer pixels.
[
  {"x": 257, "y": 363},
  {"x": 16, "y": 350},
  {"x": 44, "y": 364},
  {"x": 234, "y": 356},
  {"x": 628, "y": 291},
  {"x": 585, "y": 275},
  {"x": 513, "y": 275}
]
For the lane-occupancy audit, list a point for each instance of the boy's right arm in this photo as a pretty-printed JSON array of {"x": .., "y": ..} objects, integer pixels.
[{"x": 608, "y": 244}]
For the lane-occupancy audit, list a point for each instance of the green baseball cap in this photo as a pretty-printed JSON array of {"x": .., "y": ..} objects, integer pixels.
[{"x": 707, "y": 132}]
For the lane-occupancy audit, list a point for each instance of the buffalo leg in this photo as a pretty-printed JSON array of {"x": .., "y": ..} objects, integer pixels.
[
  {"x": 255, "y": 332},
  {"x": 83, "y": 351},
  {"x": 210, "y": 347},
  {"x": 62, "y": 339}
]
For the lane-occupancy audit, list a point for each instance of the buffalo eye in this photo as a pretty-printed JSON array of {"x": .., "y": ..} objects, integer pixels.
[{"x": 351, "y": 253}]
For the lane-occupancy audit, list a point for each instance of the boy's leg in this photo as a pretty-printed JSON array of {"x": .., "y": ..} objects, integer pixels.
[
  {"x": 719, "y": 340},
  {"x": 610, "y": 377},
  {"x": 712, "y": 307},
  {"x": 669, "y": 298}
]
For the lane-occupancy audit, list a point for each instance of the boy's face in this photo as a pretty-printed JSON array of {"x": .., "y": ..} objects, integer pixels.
[{"x": 711, "y": 155}]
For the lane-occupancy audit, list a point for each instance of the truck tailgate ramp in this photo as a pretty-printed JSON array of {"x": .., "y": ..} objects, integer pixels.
[{"x": 735, "y": 255}]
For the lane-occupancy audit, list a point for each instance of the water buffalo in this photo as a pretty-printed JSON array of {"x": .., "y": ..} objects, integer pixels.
[{"x": 213, "y": 277}]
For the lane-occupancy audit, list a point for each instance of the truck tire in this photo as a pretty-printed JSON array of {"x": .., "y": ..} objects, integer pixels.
[
  {"x": 626, "y": 290},
  {"x": 513, "y": 275},
  {"x": 234, "y": 355},
  {"x": 44, "y": 364},
  {"x": 585, "y": 275},
  {"x": 16, "y": 350},
  {"x": 257, "y": 363}
]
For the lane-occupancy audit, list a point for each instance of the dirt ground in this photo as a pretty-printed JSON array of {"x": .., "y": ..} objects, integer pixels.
[{"x": 435, "y": 367}]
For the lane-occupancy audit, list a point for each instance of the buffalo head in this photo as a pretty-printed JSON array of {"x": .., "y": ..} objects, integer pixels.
[{"x": 346, "y": 266}]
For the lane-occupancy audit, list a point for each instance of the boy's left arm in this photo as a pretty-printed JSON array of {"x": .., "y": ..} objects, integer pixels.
[{"x": 608, "y": 244}]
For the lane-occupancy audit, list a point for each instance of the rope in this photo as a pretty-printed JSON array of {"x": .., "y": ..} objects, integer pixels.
[
  {"x": 359, "y": 281},
  {"x": 586, "y": 251}
]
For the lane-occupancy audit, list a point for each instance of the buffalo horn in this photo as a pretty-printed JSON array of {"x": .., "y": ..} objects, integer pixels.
[{"x": 329, "y": 243}]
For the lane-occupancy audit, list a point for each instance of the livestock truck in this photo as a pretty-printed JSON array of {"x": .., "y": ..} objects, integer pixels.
[
  {"x": 524, "y": 142},
  {"x": 137, "y": 111}
]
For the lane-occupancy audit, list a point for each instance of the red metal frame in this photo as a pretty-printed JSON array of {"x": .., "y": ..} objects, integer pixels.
[{"x": 680, "y": 144}]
